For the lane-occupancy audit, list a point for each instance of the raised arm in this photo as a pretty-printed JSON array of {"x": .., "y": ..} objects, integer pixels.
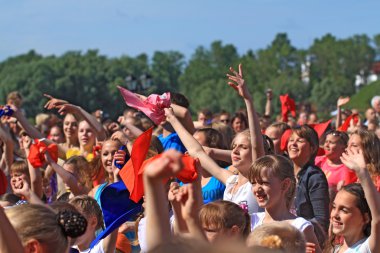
[
  {"x": 341, "y": 101},
  {"x": 355, "y": 161},
  {"x": 92, "y": 121},
  {"x": 219, "y": 154},
  {"x": 268, "y": 103},
  {"x": 34, "y": 173},
  {"x": 156, "y": 201},
  {"x": 238, "y": 83},
  {"x": 196, "y": 150},
  {"x": 31, "y": 130},
  {"x": 8, "y": 147},
  {"x": 75, "y": 187},
  {"x": 184, "y": 116}
]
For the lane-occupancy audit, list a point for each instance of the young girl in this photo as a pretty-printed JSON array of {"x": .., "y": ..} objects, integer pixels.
[
  {"x": 42, "y": 230},
  {"x": 274, "y": 186},
  {"x": 246, "y": 147},
  {"x": 90, "y": 209},
  {"x": 312, "y": 197},
  {"x": 336, "y": 172},
  {"x": 369, "y": 144},
  {"x": 223, "y": 220},
  {"x": 355, "y": 215}
]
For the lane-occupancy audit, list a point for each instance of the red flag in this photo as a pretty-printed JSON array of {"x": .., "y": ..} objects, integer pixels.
[
  {"x": 37, "y": 150},
  {"x": 346, "y": 124},
  {"x": 131, "y": 173},
  {"x": 187, "y": 174},
  {"x": 287, "y": 105},
  {"x": 321, "y": 127},
  {"x": 284, "y": 139}
]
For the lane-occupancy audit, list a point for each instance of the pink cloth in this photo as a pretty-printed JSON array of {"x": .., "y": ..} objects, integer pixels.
[
  {"x": 335, "y": 174},
  {"x": 153, "y": 107}
]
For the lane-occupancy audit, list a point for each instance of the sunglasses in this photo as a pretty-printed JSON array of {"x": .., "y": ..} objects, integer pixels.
[
  {"x": 225, "y": 120},
  {"x": 342, "y": 135}
]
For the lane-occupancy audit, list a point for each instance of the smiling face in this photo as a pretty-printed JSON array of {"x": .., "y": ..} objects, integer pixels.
[
  {"x": 354, "y": 143},
  {"x": 333, "y": 146},
  {"x": 346, "y": 218},
  {"x": 109, "y": 149},
  {"x": 86, "y": 135},
  {"x": 268, "y": 190},
  {"x": 299, "y": 149},
  {"x": 241, "y": 154},
  {"x": 70, "y": 126}
]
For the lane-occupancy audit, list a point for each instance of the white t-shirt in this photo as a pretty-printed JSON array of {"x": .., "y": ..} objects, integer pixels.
[
  {"x": 361, "y": 246},
  {"x": 243, "y": 196},
  {"x": 97, "y": 249},
  {"x": 141, "y": 232},
  {"x": 299, "y": 223}
]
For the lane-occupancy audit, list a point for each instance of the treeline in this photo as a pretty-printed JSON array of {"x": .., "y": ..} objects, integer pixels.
[{"x": 90, "y": 79}]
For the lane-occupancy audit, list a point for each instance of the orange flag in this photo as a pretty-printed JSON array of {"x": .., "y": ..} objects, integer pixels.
[{"x": 131, "y": 173}]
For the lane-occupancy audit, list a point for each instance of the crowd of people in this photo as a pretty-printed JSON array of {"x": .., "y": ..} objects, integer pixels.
[{"x": 74, "y": 181}]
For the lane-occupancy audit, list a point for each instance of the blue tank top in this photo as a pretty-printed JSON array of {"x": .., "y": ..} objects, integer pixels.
[{"x": 213, "y": 190}]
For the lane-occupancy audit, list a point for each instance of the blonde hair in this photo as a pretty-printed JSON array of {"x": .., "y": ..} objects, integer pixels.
[
  {"x": 40, "y": 223},
  {"x": 245, "y": 133},
  {"x": 82, "y": 170},
  {"x": 274, "y": 166},
  {"x": 370, "y": 145},
  {"x": 278, "y": 235},
  {"x": 223, "y": 215}
]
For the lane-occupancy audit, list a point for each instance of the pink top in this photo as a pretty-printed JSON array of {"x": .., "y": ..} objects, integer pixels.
[{"x": 335, "y": 174}]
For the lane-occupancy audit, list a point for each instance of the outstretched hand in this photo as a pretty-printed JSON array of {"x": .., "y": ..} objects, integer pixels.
[
  {"x": 54, "y": 102},
  {"x": 354, "y": 160},
  {"x": 237, "y": 82},
  {"x": 67, "y": 108},
  {"x": 342, "y": 101}
]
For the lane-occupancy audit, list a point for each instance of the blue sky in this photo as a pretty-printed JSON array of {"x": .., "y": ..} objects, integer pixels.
[{"x": 131, "y": 27}]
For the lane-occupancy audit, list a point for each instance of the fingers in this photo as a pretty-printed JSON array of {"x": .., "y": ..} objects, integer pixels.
[
  {"x": 240, "y": 70},
  {"x": 48, "y": 96},
  {"x": 234, "y": 86}
]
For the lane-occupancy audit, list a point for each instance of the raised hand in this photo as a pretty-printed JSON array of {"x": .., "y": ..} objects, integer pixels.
[
  {"x": 120, "y": 136},
  {"x": 354, "y": 160},
  {"x": 342, "y": 101},
  {"x": 25, "y": 142},
  {"x": 53, "y": 102},
  {"x": 68, "y": 108},
  {"x": 168, "y": 165},
  {"x": 169, "y": 113},
  {"x": 21, "y": 187},
  {"x": 237, "y": 82}
]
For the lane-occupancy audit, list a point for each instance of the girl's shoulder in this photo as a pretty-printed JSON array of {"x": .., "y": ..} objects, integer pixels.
[{"x": 300, "y": 223}]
